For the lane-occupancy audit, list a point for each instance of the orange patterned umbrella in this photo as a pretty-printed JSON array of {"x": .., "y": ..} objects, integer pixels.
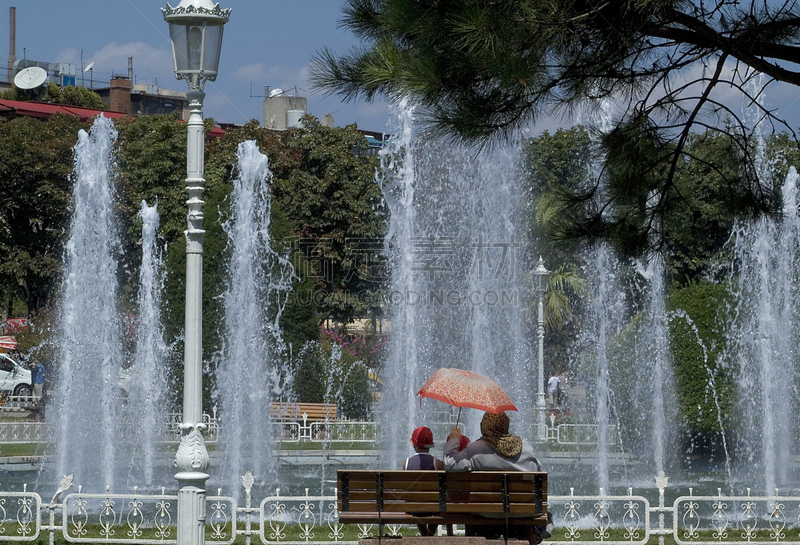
[{"x": 462, "y": 388}]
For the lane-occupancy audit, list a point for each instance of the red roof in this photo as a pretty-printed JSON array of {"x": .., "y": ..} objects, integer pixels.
[
  {"x": 45, "y": 110},
  {"x": 41, "y": 109}
]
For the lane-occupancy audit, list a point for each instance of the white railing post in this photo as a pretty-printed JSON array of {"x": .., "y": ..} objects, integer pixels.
[
  {"x": 247, "y": 482},
  {"x": 661, "y": 483}
]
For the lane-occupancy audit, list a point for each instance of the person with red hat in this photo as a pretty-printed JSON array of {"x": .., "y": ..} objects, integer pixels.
[{"x": 422, "y": 439}]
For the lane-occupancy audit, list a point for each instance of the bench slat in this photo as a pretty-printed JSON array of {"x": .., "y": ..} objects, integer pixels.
[
  {"x": 519, "y": 486},
  {"x": 433, "y": 507},
  {"x": 454, "y": 518},
  {"x": 433, "y": 496},
  {"x": 401, "y": 475}
]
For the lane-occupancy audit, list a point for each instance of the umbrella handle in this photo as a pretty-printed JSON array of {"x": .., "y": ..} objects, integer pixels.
[{"x": 459, "y": 416}]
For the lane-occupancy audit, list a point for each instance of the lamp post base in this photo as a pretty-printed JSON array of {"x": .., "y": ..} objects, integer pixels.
[
  {"x": 541, "y": 417},
  {"x": 191, "y": 523},
  {"x": 192, "y": 461}
]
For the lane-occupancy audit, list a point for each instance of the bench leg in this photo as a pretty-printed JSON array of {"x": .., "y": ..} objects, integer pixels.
[{"x": 427, "y": 529}]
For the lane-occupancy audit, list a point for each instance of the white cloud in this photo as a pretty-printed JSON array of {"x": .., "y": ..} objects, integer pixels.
[
  {"x": 274, "y": 76},
  {"x": 149, "y": 63}
]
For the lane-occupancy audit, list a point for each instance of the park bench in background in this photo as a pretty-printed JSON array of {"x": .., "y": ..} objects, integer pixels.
[
  {"x": 298, "y": 412},
  {"x": 439, "y": 497},
  {"x": 302, "y": 420}
]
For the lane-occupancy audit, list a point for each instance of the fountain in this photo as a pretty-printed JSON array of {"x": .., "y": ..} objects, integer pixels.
[
  {"x": 443, "y": 214},
  {"x": 457, "y": 296},
  {"x": 85, "y": 407},
  {"x": 250, "y": 374},
  {"x": 98, "y": 406},
  {"x": 761, "y": 347},
  {"x": 761, "y": 341},
  {"x": 146, "y": 378}
]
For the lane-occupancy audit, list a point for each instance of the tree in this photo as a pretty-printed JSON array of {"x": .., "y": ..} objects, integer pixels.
[
  {"x": 69, "y": 96},
  {"x": 695, "y": 229},
  {"x": 480, "y": 70},
  {"x": 35, "y": 196},
  {"x": 706, "y": 388},
  {"x": 325, "y": 373},
  {"x": 339, "y": 215}
]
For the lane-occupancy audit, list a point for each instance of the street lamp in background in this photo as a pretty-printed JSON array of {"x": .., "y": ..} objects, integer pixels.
[
  {"x": 195, "y": 30},
  {"x": 541, "y": 278}
]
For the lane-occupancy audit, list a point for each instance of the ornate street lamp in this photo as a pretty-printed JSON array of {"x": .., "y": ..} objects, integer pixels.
[
  {"x": 541, "y": 279},
  {"x": 195, "y": 30}
]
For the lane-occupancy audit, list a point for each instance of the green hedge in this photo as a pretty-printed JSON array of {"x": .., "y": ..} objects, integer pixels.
[{"x": 705, "y": 389}]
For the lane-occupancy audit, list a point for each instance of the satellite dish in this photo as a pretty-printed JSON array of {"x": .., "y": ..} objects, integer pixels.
[
  {"x": 30, "y": 78},
  {"x": 275, "y": 92},
  {"x": 88, "y": 67}
]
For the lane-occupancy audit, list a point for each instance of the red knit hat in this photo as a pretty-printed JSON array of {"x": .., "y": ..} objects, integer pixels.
[
  {"x": 463, "y": 443},
  {"x": 422, "y": 437}
]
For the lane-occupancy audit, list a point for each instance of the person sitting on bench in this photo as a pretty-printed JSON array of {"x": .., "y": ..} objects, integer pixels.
[
  {"x": 497, "y": 449},
  {"x": 422, "y": 439}
]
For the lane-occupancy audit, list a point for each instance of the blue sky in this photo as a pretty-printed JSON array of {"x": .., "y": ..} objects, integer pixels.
[{"x": 266, "y": 42}]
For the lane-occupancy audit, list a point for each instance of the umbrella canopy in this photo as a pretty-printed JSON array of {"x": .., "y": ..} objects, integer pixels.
[{"x": 462, "y": 388}]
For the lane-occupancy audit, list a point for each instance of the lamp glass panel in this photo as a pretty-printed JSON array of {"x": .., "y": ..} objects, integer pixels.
[
  {"x": 542, "y": 279},
  {"x": 177, "y": 34},
  {"x": 213, "y": 48},
  {"x": 194, "y": 46}
]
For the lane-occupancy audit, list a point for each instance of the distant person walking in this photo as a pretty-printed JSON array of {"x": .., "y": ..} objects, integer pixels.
[
  {"x": 37, "y": 377},
  {"x": 552, "y": 390}
]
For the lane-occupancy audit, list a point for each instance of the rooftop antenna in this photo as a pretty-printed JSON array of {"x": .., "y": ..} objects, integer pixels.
[
  {"x": 266, "y": 91},
  {"x": 91, "y": 74}
]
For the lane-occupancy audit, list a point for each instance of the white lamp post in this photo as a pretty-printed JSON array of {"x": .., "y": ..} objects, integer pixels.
[
  {"x": 541, "y": 278},
  {"x": 195, "y": 30}
]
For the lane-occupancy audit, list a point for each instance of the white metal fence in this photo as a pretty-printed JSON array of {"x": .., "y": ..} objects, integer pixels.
[
  {"x": 303, "y": 429},
  {"x": 629, "y": 519},
  {"x": 23, "y": 431}
]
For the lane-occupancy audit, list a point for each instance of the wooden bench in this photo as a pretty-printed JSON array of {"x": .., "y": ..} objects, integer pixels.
[
  {"x": 294, "y": 412},
  {"x": 439, "y": 497}
]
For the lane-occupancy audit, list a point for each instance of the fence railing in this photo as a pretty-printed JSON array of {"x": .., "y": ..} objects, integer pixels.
[
  {"x": 308, "y": 519},
  {"x": 20, "y": 431},
  {"x": 352, "y": 431}
]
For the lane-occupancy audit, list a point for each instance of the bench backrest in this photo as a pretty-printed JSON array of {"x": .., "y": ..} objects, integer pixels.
[
  {"x": 495, "y": 493},
  {"x": 291, "y": 411}
]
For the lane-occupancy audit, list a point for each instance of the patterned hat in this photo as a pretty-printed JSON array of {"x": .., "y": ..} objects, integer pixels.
[{"x": 494, "y": 430}]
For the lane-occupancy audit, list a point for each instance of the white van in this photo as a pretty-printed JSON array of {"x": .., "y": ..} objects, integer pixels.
[{"x": 14, "y": 378}]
